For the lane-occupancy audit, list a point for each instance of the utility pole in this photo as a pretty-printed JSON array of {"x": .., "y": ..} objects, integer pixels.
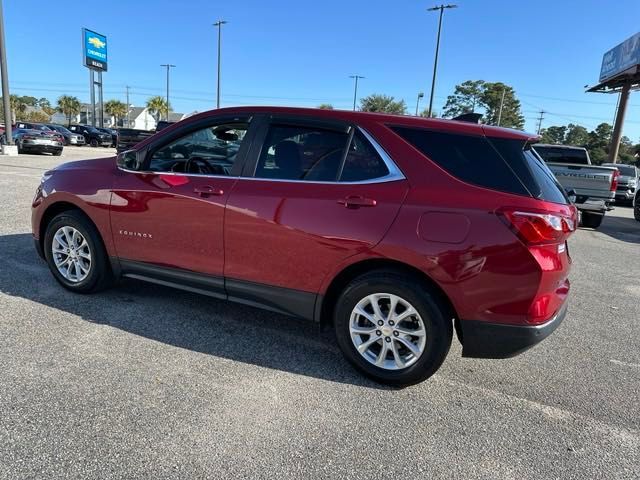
[
  {"x": 420, "y": 95},
  {"x": 5, "y": 82},
  {"x": 435, "y": 62},
  {"x": 355, "y": 89},
  {"x": 540, "y": 118},
  {"x": 504, "y": 90},
  {"x": 614, "y": 147},
  {"x": 219, "y": 24},
  {"x": 168, "y": 66},
  {"x": 127, "y": 88}
]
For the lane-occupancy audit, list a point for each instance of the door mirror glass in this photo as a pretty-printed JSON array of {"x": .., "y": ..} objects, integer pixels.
[{"x": 129, "y": 160}]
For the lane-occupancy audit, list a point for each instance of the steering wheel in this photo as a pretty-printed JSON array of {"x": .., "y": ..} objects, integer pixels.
[{"x": 197, "y": 165}]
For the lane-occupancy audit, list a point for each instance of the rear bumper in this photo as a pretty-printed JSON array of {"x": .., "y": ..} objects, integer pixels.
[{"x": 492, "y": 340}]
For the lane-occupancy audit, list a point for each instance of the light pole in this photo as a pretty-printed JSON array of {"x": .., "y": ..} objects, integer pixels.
[
  {"x": 355, "y": 89},
  {"x": 5, "y": 82},
  {"x": 420, "y": 95},
  {"x": 435, "y": 62},
  {"x": 219, "y": 24},
  {"x": 167, "y": 66}
]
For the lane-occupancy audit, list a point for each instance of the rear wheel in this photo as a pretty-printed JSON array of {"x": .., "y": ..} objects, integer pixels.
[
  {"x": 636, "y": 208},
  {"x": 75, "y": 253},
  {"x": 391, "y": 328},
  {"x": 591, "y": 220}
]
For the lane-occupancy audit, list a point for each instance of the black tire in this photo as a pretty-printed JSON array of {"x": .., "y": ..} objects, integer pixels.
[
  {"x": 19, "y": 148},
  {"x": 636, "y": 209},
  {"x": 100, "y": 275},
  {"x": 57, "y": 153},
  {"x": 591, "y": 220},
  {"x": 437, "y": 322},
  {"x": 94, "y": 143}
]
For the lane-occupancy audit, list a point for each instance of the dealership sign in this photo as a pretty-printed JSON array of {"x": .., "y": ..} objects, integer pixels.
[
  {"x": 621, "y": 58},
  {"x": 94, "y": 50}
]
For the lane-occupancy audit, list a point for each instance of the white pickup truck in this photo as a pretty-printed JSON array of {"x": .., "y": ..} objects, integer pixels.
[{"x": 593, "y": 187}]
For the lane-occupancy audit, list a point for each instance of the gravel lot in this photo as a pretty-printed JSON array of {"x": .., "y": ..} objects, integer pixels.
[{"x": 147, "y": 382}]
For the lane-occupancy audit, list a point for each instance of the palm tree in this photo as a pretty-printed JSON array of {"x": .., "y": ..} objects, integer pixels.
[
  {"x": 69, "y": 105},
  {"x": 158, "y": 107},
  {"x": 116, "y": 109},
  {"x": 18, "y": 107}
]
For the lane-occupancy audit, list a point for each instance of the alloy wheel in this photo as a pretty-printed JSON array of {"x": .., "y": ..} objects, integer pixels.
[
  {"x": 71, "y": 254},
  {"x": 387, "y": 331}
]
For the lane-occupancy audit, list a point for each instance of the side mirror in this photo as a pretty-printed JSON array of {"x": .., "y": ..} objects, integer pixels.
[
  {"x": 572, "y": 195},
  {"x": 129, "y": 160}
]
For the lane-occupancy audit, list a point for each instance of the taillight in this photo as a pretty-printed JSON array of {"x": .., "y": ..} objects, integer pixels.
[
  {"x": 614, "y": 181},
  {"x": 536, "y": 228}
]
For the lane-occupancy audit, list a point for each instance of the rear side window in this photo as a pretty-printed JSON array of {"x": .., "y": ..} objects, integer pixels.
[
  {"x": 472, "y": 159},
  {"x": 362, "y": 162}
]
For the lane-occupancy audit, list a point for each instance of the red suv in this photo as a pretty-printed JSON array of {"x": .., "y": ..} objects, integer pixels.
[{"x": 395, "y": 229}]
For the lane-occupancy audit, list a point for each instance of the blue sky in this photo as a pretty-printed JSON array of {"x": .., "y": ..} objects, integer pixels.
[{"x": 300, "y": 53}]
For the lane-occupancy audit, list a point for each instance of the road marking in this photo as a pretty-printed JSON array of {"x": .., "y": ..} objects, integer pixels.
[
  {"x": 21, "y": 166},
  {"x": 625, "y": 364}
]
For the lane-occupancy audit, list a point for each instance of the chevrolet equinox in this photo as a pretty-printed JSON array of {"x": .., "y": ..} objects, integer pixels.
[{"x": 396, "y": 230}]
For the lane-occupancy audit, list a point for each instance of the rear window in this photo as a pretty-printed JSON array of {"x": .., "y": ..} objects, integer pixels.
[
  {"x": 576, "y": 156},
  {"x": 505, "y": 165}
]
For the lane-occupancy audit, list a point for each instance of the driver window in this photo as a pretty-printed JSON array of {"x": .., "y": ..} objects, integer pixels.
[{"x": 209, "y": 151}]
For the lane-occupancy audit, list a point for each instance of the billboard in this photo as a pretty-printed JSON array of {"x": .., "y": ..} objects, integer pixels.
[
  {"x": 621, "y": 58},
  {"x": 94, "y": 50}
]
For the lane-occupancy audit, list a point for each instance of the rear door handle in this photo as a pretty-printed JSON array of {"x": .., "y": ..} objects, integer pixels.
[
  {"x": 208, "y": 190},
  {"x": 356, "y": 201}
]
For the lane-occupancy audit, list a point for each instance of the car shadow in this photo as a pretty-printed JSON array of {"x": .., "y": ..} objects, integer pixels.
[
  {"x": 621, "y": 228},
  {"x": 182, "y": 319}
]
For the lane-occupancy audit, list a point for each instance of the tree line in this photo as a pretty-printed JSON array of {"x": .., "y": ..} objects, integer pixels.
[{"x": 70, "y": 106}]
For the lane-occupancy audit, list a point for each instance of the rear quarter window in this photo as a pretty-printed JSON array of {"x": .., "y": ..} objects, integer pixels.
[
  {"x": 506, "y": 165},
  {"x": 471, "y": 159}
]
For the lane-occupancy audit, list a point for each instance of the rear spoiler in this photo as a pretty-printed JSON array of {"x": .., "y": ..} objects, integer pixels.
[{"x": 469, "y": 117}]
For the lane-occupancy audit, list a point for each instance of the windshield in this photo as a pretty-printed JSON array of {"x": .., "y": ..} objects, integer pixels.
[
  {"x": 627, "y": 170},
  {"x": 60, "y": 129}
]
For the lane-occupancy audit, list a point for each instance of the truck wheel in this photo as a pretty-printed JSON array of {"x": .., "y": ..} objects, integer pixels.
[
  {"x": 636, "y": 209},
  {"x": 591, "y": 220}
]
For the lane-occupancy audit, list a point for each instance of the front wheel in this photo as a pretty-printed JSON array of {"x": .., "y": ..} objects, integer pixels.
[
  {"x": 94, "y": 143},
  {"x": 636, "y": 208},
  {"x": 75, "y": 253},
  {"x": 591, "y": 220},
  {"x": 392, "y": 328}
]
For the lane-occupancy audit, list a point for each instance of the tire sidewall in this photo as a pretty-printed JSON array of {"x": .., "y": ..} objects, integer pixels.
[
  {"x": 438, "y": 329},
  {"x": 98, "y": 260}
]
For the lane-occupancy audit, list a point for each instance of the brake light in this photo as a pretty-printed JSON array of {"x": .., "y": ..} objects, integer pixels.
[
  {"x": 614, "y": 181},
  {"x": 535, "y": 228}
]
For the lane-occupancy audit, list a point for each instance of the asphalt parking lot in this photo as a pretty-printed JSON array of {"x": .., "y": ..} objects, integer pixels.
[{"x": 143, "y": 381}]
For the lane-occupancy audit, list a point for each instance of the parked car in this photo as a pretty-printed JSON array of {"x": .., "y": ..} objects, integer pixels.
[
  {"x": 92, "y": 135},
  {"x": 41, "y": 127},
  {"x": 113, "y": 133},
  {"x": 333, "y": 216},
  {"x": 594, "y": 187},
  {"x": 627, "y": 182},
  {"x": 36, "y": 141},
  {"x": 70, "y": 138},
  {"x": 162, "y": 124},
  {"x": 130, "y": 137}
]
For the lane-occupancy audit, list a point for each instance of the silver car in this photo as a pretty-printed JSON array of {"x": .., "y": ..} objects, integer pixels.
[{"x": 627, "y": 182}]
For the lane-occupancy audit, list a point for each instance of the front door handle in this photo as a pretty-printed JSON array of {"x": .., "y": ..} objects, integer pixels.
[
  {"x": 356, "y": 201},
  {"x": 207, "y": 190}
]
